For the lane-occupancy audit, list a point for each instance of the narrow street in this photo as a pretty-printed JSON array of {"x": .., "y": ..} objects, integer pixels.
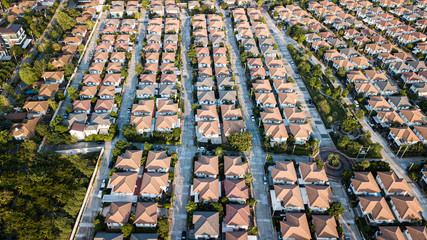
[
  {"x": 85, "y": 63},
  {"x": 94, "y": 203},
  {"x": 256, "y": 155},
  {"x": 187, "y": 150},
  {"x": 320, "y": 131},
  {"x": 129, "y": 88}
]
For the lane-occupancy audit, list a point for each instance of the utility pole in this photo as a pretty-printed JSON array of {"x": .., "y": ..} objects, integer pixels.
[
  {"x": 407, "y": 146},
  {"x": 400, "y": 147}
]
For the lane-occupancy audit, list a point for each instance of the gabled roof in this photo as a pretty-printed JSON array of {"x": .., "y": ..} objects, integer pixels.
[
  {"x": 36, "y": 106},
  {"x": 365, "y": 182},
  {"x": 325, "y": 226},
  {"x": 206, "y": 223},
  {"x": 391, "y": 233},
  {"x": 146, "y": 213},
  {"x": 144, "y": 106},
  {"x": 130, "y": 160},
  {"x": 208, "y": 188},
  {"x": 207, "y": 165},
  {"x": 123, "y": 182},
  {"x": 295, "y": 226},
  {"x": 290, "y": 195},
  {"x": 284, "y": 171},
  {"x": 417, "y": 232},
  {"x": 119, "y": 212},
  {"x": 152, "y": 182},
  {"x": 319, "y": 196},
  {"x": 310, "y": 172},
  {"x": 407, "y": 207},
  {"x": 157, "y": 159},
  {"x": 237, "y": 214},
  {"x": 405, "y": 133},
  {"x": 236, "y": 188},
  {"x": 378, "y": 207},
  {"x": 392, "y": 183},
  {"x": 271, "y": 114},
  {"x": 237, "y": 235},
  {"x": 301, "y": 130},
  {"x": 234, "y": 166}
]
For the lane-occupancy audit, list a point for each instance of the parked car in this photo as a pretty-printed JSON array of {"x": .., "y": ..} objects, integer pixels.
[
  {"x": 252, "y": 118},
  {"x": 184, "y": 235},
  {"x": 201, "y": 149}
]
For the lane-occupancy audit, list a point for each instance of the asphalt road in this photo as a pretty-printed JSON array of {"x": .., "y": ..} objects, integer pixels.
[
  {"x": 94, "y": 203},
  {"x": 320, "y": 131},
  {"x": 257, "y": 155},
  {"x": 187, "y": 150},
  {"x": 84, "y": 64}
]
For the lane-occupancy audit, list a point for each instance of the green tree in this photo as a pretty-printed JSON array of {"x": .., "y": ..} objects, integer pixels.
[
  {"x": 145, "y": 4},
  {"x": 315, "y": 82},
  {"x": 139, "y": 69},
  {"x": 42, "y": 129},
  {"x": 191, "y": 207},
  {"x": 343, "y": 141},
  {"x": 253, "y": 230},
  {"x": 5, "y": 137},
  {"x": 336, "y": 209},
  {"x": 27, "y": 74},
  {"x": 241, "y": 142},
  {"x": 127, "y": 230},
  {"x": 65, "y": 21},
  {"x": 72, "y": 92},
  {"x": 341, "y": 72},
  {"x": 129, "y": 132},
  {"x": 346, "y": 174},
  {"x": 69, "y": 69},
  {"x": 120, "y": 147},
  {"x": 219, "y": 152},
  {"x": 224, "y": 5},
  {"x": 350, "y": 125},
  {"x": 147, "y": 146},
  {"x": 163, "y": 227},
  {"x": 176, "y": 132},
  {"x": 249, "y": 178},
  {"x": 17, "y": 51},
  {"x": 334, "y": 159}
]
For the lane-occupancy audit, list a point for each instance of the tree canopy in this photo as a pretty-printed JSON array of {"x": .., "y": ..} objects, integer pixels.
[{"x": 241, "y": 142}]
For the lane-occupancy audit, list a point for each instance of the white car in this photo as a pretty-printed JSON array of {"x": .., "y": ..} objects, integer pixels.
[{"x": 201, "y": 149}]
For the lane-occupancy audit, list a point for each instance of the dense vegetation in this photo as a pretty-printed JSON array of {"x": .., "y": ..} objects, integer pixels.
[{"x": 40, "y": 194}]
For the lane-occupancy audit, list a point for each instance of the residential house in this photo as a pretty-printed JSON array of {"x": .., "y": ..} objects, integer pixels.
[
  {"x": 206, "y": 166},
  {"x": 157, "y": 161},
  {"x": 236, "y": 190},
  {"x": 363, "y": 183},
  {"x": 311, "y": 174},
  {"x": 283, "y": 173},
  {"x": 406, "y": 208},
  {"x": 153, "y": 184},
  {"x": 146, "y": 214},
  {"x": 295, "y": 227},
  {"x": 130, "y": 161},
  {"x": 287, "y": 198},
  {"x": 301, "y": 132},
  {"x": 118, "y": 214},
  {"x": 206, "y": 225},
  {"x": 319, "y": 197},
  {"x": 376, "y": 210},
  {"x": 205, "y": 189},
  {"x": 234, "y": 167}
]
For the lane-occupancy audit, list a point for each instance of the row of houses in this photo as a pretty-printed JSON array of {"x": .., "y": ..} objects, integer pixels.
[
  {"x": 157, "y": 92},
  {"x": 374, "y": 192},
  {"x": 276, "y": 114},
  {"x": 52, "y": 81},
  {"x": 371, "y": 83},
  {"x": 100, "y": 92},
  {"x": 166, "y": 8},
  {"x": 210, "y": 184},
  {"x": 214, "y": 82},
  {"x": 134, "y": 188},
  {"x": 294, "y": 191}
]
